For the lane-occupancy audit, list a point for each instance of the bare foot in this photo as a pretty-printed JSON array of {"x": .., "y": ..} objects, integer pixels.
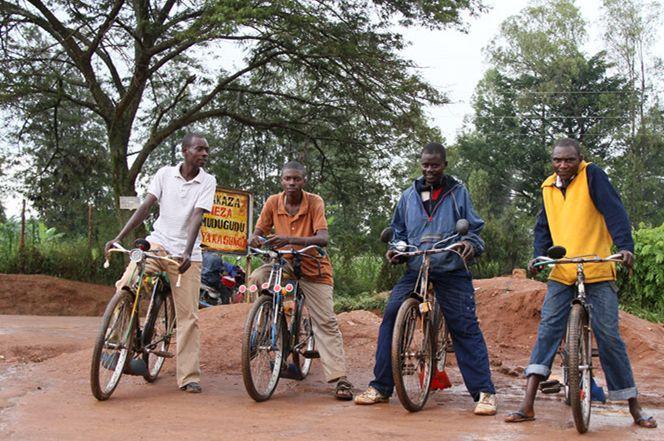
[{"x": 640, "y": 418}]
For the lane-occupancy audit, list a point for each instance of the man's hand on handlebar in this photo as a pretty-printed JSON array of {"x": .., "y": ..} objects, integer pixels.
[
  {"x": 185, "y": 263},
  {"x": 393, "y": 258},
  {"x": 628, "y": 258},
  {"x": 277, "y": 241},
  {"x": 256, "y": 241},
  {"x": 467, "y": 251},
  {"x": 533, "y": 269},
  {"x": 108, "y": 246}
]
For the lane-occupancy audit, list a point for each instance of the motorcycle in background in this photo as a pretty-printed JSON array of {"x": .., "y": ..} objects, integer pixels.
[{"x": 219, "y": 282}]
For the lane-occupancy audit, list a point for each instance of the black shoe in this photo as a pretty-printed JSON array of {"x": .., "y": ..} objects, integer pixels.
[{"x": 193, "y": 388}]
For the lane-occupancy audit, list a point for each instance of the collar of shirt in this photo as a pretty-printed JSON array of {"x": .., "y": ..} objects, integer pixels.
[
  {"x": 304, "y": 205},
  {"x": 178, "y": 175},
  {"x": 562, "y": 184}
]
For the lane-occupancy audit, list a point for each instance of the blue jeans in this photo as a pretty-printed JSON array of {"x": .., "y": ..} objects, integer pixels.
[
  {"x": 455, "y": 293},
  {"x": 603, "y": 301}
]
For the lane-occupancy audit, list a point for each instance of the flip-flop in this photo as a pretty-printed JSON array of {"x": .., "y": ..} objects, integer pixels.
[
  {"x": 647, "y": 422},
  {"x": 518, "y": 417}
]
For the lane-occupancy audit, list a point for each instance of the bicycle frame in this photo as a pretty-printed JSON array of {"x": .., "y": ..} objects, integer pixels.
[
  {"x": 138, "y": 284},
  {"x": 571, "y": 361},
  {"x": 277, "y": 290}
]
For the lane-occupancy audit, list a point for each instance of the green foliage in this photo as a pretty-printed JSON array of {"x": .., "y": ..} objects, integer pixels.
[
  {"x": 644, "y": 291},
  {"x": 49, "y": 252},
  {"x": 366, "y": 301}
]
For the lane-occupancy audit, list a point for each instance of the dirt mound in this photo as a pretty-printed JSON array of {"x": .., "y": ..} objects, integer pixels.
[
  {"x": 37, "y": 294},
  {"x": 509, "y": 310},
  {"x": 222, "y": 327}
]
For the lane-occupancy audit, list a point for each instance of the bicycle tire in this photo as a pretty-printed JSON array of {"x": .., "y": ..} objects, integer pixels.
[
  {"x": 108, "y": 356},
  {"x": 578, "y": 354},
  {"x": 442, "y": 334},
  {"x": 304, "y": 337},
  {"x": 257, "y": 347},
  {"x": 158, "y": 332},
  {"x": 412, "y": 367}
]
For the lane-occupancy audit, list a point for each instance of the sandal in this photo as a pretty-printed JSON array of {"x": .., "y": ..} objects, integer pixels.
[
  {"x": 518, "y": 417},
  {"x": 647, "y": 422},
  {"x": 344, "y": 390}
]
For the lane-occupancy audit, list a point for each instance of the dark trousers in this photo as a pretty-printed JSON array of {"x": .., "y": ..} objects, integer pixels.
[{"x": 455, "y": 293}]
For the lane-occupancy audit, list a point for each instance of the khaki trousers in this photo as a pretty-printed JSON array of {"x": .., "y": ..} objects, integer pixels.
[
  {"x": 318, "y": 298},
  {"x": 186, "y": 312}
]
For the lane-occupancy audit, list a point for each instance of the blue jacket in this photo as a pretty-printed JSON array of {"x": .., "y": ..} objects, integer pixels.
[{"x": 412, "y": 224}]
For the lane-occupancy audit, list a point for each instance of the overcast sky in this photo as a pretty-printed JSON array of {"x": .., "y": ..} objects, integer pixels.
[{"x": 453, "y": 61}]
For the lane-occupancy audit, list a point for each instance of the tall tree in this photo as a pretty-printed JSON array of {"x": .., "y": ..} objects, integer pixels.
[
  {"x": 147, "y": 68},
  {"x": 630, "y": 34},
  {"x": 541, "y": 87}
]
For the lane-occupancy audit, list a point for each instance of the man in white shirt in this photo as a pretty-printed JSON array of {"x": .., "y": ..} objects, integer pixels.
[{"x": 184, "y": 192}]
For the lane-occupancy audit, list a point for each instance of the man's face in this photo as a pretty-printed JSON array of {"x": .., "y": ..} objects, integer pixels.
[
  {"x": 565, "y": 161},
  {"x": 196, "y": 152},
  {"x": 433, "y": 166},
  {"x": 292, "y": 181}
]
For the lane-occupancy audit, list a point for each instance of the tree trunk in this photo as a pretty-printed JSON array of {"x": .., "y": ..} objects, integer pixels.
[{"x": 123, "y": 185}]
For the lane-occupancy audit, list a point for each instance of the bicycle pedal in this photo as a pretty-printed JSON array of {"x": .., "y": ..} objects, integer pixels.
[
  {"x": 449, "y": 347},
  {"x": 552, "y": 389},
  {"x": 548, "y": 384},
  {"x": 164, "y": 354},
  {"x": 310, "y": 354},
  {"x": 595, "y": 352}
]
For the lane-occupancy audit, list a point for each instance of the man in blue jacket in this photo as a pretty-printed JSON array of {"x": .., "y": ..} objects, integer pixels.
[{"x": 426, "y": 213}]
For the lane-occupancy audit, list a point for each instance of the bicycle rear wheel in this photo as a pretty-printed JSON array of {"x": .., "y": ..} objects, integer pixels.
[
  {"x": 262, "y": 350},
  {"x": 112, "y": 346},
  {"x": 442, "y": 334},
  {"x": 578, "y": 368},
  {"x": 157, "y": 334},
  {"x": 412, "y": 356},
  {"x": 304, "y": 341}
]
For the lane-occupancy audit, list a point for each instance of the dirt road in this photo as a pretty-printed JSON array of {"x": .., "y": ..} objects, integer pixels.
[{"x": 46, "y": 396}]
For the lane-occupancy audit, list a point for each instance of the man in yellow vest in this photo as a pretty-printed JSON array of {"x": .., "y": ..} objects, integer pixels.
[{"x": 583, "y": 213}]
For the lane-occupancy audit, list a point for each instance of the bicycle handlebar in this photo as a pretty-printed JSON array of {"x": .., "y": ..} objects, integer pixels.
[
  {"x": 120, "y": 249},
  {"x": 433, "y": 250},
  {"x": 293, "y": 251},
  {"x": 544, "y": 260}
]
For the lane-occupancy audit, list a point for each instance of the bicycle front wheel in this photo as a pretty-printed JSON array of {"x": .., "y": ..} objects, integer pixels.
[
  {"x": 112, "y": 346},
  {"x": 304, "y": 341},
  {"x": 579, "y": 366},
  {"x": 412, "y": 356},
  {"x": 157, "y": 334},
  {"x": 262, "y": 350}
]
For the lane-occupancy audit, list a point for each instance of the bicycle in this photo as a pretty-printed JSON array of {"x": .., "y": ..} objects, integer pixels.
[
  {"x": 122, "y": 345},
  {"x": 420, "y": 339},
  {"x": 576, "y": 351},
  {"x": 274, "y": 330}
]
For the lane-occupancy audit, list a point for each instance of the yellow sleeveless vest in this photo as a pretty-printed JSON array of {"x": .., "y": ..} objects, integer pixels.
[{"x": 576, "y": 224}]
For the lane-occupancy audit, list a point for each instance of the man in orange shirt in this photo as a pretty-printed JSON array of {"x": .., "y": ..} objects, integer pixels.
[{"x": 298, "y": 220}]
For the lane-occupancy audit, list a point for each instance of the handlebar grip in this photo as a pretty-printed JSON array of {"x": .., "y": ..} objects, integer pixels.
[{"x": 321, "y": 251}]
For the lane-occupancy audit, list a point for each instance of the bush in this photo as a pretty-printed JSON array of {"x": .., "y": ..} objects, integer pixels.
[{"x": 643, "y": 293}]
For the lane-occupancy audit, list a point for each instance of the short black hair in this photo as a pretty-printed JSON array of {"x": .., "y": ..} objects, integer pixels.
[
  {"x": 294, "y": 165},
  {"x": 189, "y": 137},
  {"x": 435, "y": 148},
  {"x": 568, "y": 142}
]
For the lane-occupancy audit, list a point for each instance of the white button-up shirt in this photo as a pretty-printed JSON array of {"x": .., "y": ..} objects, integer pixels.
[{"x": 177, "y": 200}]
